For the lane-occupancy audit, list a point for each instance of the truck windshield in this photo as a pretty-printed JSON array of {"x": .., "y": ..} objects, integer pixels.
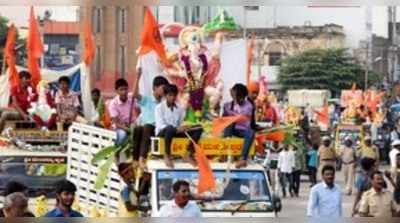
[
  {"x": 40, "y": 173},
  {"x": 237, "y": 191}
]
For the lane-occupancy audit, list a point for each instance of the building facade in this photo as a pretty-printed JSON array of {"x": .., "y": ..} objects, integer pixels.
[
  {"x": 61, "y": 41},
  {"x": 116, "y": 29},
  {"x": 274, "y": 44}
]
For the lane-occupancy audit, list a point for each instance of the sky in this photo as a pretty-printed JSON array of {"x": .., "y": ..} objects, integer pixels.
[
  {"x": 350, "y": 18},
  {"x": 19, "y": 14}
]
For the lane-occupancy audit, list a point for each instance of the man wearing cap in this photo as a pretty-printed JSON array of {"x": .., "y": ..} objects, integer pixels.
[
  {"x": 368, "y": 150},
  {"x": 326, "y": 154},
  {"x": 348, "y": 157},
  {"x": 393, "y": 153}
]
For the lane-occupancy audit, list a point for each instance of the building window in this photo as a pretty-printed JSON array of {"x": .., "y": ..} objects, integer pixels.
[
  {"x": 97, "y": 19},
  {"x": 274, "y": 58},
  {"x": 98, "y": 62},
  {"x": 122, "y": 14},
  {"x": 122, "y": 61}
]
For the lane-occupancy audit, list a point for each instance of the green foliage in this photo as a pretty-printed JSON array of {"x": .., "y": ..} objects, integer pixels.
[
  {"x": 332, "y": 69},
  {"x": 103, "y": 173},
  {"x": 104, "y": 154},
  {"x": 105, "y": 158}
]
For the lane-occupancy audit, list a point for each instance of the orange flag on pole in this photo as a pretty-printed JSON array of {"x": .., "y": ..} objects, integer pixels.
[
  {"x": 206, "y": 175},
  {"x": 9, "y": 55},
  {"x": 323, "y": 115},
  {"x": 34, "y": 48},
  {"x": 151, "y": 37},
  {"x": 90, "y": 49},
  {"x": 277, "y": 136},
  {"x": 219, "y": 124}
]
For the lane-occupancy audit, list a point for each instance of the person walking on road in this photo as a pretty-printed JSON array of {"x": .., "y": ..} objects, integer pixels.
[
  {"x": 325, "y": 198},
  {"x": 298, "y": 168},
  {"x": 348, "y": 157},
  {"x": 312, "y": 164},
  {"x": 363, "y": 181},
  {"x": 326, "y": 154},
  {"x": 285, "y": 167}
]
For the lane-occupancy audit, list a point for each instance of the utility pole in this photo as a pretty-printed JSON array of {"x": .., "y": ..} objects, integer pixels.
[{"x": 369, "y": 55}]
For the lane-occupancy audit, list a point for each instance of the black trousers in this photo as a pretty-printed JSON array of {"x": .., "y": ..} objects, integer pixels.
[
  {"x": 170, "y": 132},
  {"x": 296, "y": 181}
]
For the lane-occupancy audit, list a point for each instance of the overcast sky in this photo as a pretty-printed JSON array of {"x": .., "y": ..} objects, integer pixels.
[{"x": 19, "y": 15}]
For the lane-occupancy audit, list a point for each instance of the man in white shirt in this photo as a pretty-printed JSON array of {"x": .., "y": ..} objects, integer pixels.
[
  {"x": 169, "y": 119},
  {"x": 286, "y": 165},
  {"x": 393, "y": 153},
  {"x": 180, "y": 206}
]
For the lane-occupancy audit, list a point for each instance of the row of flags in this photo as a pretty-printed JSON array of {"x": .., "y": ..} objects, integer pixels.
[{"x": 35, "y": 50}]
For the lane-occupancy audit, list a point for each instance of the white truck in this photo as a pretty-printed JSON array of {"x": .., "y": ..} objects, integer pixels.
[{"x": 242, "y": 192}]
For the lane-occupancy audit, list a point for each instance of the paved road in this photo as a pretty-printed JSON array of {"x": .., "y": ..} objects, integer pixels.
[{"x": 297, "y": 206}]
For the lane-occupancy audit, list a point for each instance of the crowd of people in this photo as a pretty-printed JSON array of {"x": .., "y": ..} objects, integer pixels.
[{"x": 160, "y": 114}]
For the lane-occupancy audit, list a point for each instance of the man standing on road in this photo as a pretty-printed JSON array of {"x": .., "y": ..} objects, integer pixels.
[
  {"x": 368, "y": 150},
  {"x": 15, "y": 205},
  {"x": 65, "y": 195},
  {"x": 348, "y": 156},
  {"x": 363, "y": 181},
  {"x": 286, "y": 166},
  {"x": 393, "y": 153},
  {"x": 326, "y": 154},
  {"x": 325, "y": 197},
  {"x": 180, "y": 206},
  {"x": 377, "y": 202}
]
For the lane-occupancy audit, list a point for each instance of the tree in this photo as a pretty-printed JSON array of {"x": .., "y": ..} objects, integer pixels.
[{"x": 332, "y": 69}]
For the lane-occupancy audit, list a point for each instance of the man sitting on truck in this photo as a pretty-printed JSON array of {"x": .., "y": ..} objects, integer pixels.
[
  {"x": 240, "y": 105},
  {"x": 169, "y": 120},
  {"x": 124, "y": 112},
  {"x": 146, "y": 118},
  {"x": 22, "y": 96}
]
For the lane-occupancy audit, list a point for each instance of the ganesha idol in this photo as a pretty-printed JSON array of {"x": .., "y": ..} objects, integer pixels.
[
  {"x": 195, "y": 70},
  {"x": 43, "y": 111}
]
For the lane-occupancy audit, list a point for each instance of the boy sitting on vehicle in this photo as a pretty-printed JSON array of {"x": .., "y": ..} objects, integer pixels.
[
  {"x": 124, "y": 112},
  {"x": 67, "y": 103},
  {"x": 240, "y": 105},
  {"x": 169, "y": 120},
  {"x": 22, "y": 96}
]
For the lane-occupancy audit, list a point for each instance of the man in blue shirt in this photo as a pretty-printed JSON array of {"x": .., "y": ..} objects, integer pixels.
[
  {"x": 65, "y": 195},
  {"x": 325, "y": 197},
  {"x": 147, "y": 118}
]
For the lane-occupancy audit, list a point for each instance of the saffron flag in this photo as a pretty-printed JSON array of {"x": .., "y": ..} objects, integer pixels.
[
  {"x": 323, "y": 116},
  {"x": 34, "y": 48},
  {"x": 219, "y": 124},
  {"x": 206, "y": 175},
  {"x": 9, "y": 55},
  {"x": 151, "y": 37},
  {"x": 90, "y": 49},
  {"x": 277, "y": 136}
]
